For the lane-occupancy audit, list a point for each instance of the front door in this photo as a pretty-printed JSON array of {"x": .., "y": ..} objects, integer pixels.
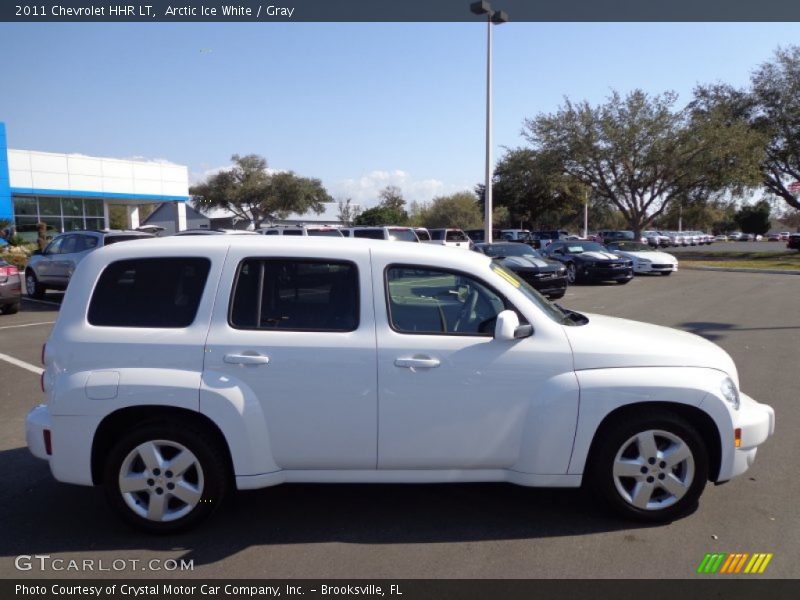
[
  {"x": 297, "y": 335},
  {"x": 450, "y": 395}
]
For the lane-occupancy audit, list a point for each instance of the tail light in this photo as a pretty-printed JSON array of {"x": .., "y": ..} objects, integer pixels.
[{"x": 8, "y": 271}]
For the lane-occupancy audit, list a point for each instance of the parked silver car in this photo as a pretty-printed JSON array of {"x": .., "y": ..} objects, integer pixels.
[{"x": 53, "y": 267}]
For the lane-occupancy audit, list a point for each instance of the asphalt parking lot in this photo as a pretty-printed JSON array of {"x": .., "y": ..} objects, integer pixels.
[
  {"x": 732, "y": 247},
  {"x": 458, "y": 531}
]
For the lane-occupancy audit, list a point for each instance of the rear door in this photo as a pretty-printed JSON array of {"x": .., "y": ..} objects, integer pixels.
[{"x": 297, "y": 336}]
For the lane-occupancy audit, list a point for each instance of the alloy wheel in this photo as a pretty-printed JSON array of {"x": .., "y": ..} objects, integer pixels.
[
  {"x": 161, "y": 480},
  {"x": 653, "y": 470}
]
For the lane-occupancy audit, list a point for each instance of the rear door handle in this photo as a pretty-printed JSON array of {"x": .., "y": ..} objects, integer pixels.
[
  {"x": 246, "y": 359},
  {"x": 417, "y": 362}
]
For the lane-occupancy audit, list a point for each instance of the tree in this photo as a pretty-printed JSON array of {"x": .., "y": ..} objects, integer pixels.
[
  {"x": 534, "y": 189},
  {"x": 754, "y": 218},
  {"x": 252, "y": 193},
  {"x": 640, "y": 154},
  {"x": 459, "y": 210},
  {"x": 347, "y": 212},
  {"x": 775, "y": 98},
  {"x": 390, "y": 211}
]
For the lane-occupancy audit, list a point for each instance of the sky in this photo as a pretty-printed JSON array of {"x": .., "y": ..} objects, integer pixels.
[{"x": 359, "y": 106}]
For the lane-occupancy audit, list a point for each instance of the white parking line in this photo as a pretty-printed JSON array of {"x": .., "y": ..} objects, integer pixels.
[
  {"x": 22, "y": 364},
  {"x": 28, "y": 324}
]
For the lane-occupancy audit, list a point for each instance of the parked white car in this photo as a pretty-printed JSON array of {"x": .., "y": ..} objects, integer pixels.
[
  {"x": 645, "y": 259},
  {"x": 302, "y": 230},
  {"x": 184, "y": 366},
  {"x": 454, "y": 238}
]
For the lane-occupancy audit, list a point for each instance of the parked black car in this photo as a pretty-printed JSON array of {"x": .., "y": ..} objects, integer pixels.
[
  {"x": 549, "y": 277},
  {"x": 794, "y": 242},
  {"x": 590, "y": 261}
]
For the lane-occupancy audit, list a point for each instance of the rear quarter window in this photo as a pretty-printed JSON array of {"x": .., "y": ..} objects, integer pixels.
[{"x": 149, "y": 292}]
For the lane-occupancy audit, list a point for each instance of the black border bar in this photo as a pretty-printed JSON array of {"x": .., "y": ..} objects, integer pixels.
[
  {"x": 706, "y": 588},
  {"x": 151, "y": 11}
]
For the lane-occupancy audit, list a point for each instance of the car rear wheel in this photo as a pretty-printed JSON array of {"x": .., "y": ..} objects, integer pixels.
[
  {"x": 164, "y": 478},
  {"x": 650, "y": 467},
  {"x": 33, "y": 288}
]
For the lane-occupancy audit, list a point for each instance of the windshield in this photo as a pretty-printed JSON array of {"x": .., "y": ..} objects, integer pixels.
[
  {"x": 551, "y": 310},
  {"x": 495, "y": 250},
  {"x": 578, "y": 247},
  {"x": 629, "y": 246}
]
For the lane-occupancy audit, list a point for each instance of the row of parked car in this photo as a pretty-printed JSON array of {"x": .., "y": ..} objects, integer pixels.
[{"x": 549, "y": 260}]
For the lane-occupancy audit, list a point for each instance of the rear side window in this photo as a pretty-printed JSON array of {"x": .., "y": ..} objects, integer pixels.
[
  {"x": 373, "y": 234},
  {"x": 423, "y": 236},
  {"x": 401, "y": 234},
  {"x": 295, "y": 295},
  {"x": 437, "y": 234},
  {"x": 113, "y": 239},
  {"x": 292, "y": 232},
  {"x": 149, "y": 292}
]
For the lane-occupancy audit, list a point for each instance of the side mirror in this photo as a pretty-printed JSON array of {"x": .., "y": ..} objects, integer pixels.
[{"x": 507, "y": 327}]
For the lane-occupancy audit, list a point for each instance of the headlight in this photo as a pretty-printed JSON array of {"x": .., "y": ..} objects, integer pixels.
[{"x": 730, "y": 392}]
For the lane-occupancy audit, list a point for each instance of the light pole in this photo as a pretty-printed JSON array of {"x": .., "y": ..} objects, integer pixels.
[{"x": 497, "y": 17}]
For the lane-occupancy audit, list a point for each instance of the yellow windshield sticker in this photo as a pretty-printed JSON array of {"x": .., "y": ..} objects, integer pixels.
[{"x": 506, "y": 275}]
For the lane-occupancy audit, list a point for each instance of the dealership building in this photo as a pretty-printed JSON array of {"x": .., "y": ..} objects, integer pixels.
[{"x": 69, "y": 192}]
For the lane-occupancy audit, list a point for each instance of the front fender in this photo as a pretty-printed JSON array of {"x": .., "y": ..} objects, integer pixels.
[{"x": 605, "y": 390}]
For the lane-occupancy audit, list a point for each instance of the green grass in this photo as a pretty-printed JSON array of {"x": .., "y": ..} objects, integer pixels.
[{"x": 789, "y": 261}]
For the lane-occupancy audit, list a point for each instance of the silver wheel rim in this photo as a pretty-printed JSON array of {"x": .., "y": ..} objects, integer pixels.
[
  {"x": 653, "y": 469},
  {"x": 30, "y": 284},
  {"x": 571, "y": 273},
  {"x": 161, "y": 480}
]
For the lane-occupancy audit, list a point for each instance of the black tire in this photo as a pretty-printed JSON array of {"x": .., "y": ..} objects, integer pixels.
[
  {"x": 214, "y": 476},
  {"x": 615, "y": 437},
  {"x": 572, "y": 273},
  {"x": 666, "y": 273},
  {"x": 33, "y": 288},
  {"x": 557, "y": 296},
  {"x": 624, "y": 281},
  {"x": 11, "y": 309}
]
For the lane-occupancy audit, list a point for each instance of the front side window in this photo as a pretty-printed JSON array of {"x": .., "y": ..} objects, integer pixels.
[
  {"x": 295, "y": 295},
  {"x": 440, "y": 302},
  {"x": 149, "y": 292}
]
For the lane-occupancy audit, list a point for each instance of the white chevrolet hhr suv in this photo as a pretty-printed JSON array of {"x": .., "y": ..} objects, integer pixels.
[{"x": 182, "y": 367}]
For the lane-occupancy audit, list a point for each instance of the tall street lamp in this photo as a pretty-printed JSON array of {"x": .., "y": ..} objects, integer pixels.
[{"x": 497, "y": 17}]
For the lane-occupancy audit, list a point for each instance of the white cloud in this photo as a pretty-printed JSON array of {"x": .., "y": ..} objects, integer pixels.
[{"x": 365, "y": 189}]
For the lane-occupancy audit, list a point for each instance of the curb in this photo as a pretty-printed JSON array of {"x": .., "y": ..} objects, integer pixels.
[{"x": 743, "y": 270}]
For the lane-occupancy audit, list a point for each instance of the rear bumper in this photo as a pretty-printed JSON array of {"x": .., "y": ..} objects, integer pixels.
[
  {"x": 37, "y": 422},
  {"x": 10, "y": 291}
]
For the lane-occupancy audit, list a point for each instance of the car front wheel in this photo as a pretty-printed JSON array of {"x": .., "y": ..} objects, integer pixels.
[
  {"x": 572, "y": 273},
  {"x": 164, "y": 478},
  {"x": 650, "y": 467}
]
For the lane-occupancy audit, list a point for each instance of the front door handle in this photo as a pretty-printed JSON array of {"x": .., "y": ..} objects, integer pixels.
[
  {"x": 246, "y": 359},
  {"x": 417, "y": 362}
]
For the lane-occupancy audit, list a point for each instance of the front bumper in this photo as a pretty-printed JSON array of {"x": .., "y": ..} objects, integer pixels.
[
  {"x": 655, "y": 267},
  {"x": 605, "y": 273},
  {"x": 757, "y": 422}
]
